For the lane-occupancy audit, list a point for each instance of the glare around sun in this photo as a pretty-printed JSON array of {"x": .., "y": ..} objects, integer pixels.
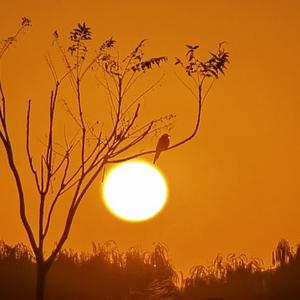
[{"x": 135, "y": 191}]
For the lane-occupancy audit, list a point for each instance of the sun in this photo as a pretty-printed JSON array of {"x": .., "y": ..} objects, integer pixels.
[{"x": 135, "y": 191}]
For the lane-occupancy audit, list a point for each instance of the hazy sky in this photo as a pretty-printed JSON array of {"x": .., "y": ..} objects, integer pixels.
[{"x": 235, "y": 187}]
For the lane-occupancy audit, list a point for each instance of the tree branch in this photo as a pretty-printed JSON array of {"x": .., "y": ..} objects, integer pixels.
[
  {"x": 9, "y": 152},
  {"x": 58, "y": 194},
  {"x": 173, "y": 146},
  {"x": 70, "y": 216},
  {"x": 29, "y": 157}
]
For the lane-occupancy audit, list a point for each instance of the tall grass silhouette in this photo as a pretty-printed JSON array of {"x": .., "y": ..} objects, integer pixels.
[{"x": 108, "y": 273}]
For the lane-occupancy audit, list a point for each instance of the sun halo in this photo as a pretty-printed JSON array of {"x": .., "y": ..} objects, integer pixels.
[{"x": 135, "y": 191}]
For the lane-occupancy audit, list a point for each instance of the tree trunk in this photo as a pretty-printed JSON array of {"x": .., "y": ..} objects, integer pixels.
[{"x": 41, "y": 274}]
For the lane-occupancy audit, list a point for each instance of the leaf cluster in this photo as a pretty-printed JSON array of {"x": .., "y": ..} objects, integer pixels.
[
  {"x": 135, "y": 62},
  {"x": 6, "y": 43},
  {"x": 78, "y": 36},
  {"x": 139, "y": 64},
  {"x": 81, "y": 33},
  {"x": 148, "y": 64},
  {"x": 25, "y": 22},
  {"x": 108, "y": 44},
  {"x": 212, "y": 67}
]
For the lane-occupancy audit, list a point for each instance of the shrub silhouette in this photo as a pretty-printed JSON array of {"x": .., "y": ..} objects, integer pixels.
[
  {"x": 237, "y": 277},
  {"x": 17, "y": 273},
  {"x": 108, "y": 273}
]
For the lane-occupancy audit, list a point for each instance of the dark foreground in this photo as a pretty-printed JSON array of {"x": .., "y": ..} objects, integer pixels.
[{"x": 108, "y": 273}]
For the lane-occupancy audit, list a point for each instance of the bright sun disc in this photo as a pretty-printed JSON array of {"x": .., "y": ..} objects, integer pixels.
[{"x": 135, "y": 191}]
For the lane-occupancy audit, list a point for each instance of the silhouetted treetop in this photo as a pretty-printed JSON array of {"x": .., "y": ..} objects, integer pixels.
[{"x": 211, "y": 67}]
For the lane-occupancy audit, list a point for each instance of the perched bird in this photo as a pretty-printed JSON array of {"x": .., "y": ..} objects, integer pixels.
[{"x": 163, "y": 144}]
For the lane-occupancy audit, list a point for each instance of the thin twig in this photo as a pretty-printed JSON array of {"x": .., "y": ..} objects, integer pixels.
[{"x": 143, "y": 94}]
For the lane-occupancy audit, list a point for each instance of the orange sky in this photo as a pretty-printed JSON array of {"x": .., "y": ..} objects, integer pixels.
[{"x": 235, "y": 188}]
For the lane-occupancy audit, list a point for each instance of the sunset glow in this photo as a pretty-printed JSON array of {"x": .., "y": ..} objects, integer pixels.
[
  {"x": 234, "y": 188},
  {"x": 135, "y": 191}
]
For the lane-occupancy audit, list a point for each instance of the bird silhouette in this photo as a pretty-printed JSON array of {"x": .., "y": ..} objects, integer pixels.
[{"x": 163, "y": 144}]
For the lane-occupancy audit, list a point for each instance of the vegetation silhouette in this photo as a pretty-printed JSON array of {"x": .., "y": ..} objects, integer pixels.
[
  {"x": 108, "y": 273},
  {"x": 70, "y": 161}
]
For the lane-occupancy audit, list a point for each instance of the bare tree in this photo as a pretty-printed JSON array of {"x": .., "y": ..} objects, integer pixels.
[{"x": 68, "y": 169}]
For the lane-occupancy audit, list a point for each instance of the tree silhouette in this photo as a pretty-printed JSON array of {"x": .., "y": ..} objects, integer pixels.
[{"x": 68, "y": 168}]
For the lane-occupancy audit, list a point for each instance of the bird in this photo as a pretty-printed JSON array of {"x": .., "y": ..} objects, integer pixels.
[{"x": 163, "y": 144}]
